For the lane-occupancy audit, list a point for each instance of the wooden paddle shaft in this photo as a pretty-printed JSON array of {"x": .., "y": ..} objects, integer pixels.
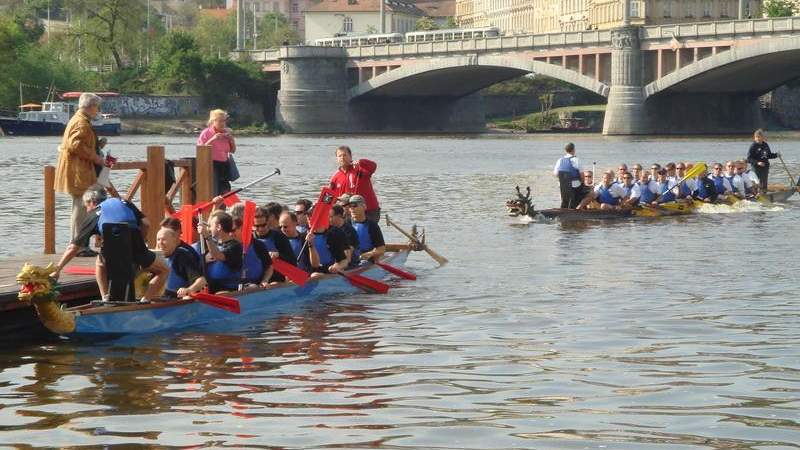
[{"x": 437, "y": 257}]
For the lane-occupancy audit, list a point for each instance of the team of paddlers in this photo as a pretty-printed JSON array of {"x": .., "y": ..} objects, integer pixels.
[
  {"x": 241, "y": 244},
  {"x": 673, "y": 182}
]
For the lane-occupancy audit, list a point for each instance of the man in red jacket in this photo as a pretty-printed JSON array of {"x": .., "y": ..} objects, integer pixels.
[{"x": 356, "y": 178}]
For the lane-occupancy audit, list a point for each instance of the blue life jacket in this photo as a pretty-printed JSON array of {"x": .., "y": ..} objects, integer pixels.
[
  {"x": 114, "y": 211},
  {"x": 684, "y": 189},
  {"x": 604, "y": 196},
  {"x": 666, "y": 192},
  {"x": 646, "y": 195},
  {"x": 719, "y": 184},
  {"x": 297, "y": 245},
  {"x": 565, "y": 165},
  {"x": 730, "y": 181},
  {"x": 175, "y": 281},
  {"x": 253, "y": 266},
  {"x": 302, "y": 229},
  {"x": 321, "y": 246},
  {"x": 364, "y": 240},
  {"x": 702, "y": 192},
  {"x": 220, "y": 274},
  {"x": 269, "y": 242}
]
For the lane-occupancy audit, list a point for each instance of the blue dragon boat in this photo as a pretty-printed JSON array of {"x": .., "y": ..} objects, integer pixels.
[{"x": 255, "y": 303}]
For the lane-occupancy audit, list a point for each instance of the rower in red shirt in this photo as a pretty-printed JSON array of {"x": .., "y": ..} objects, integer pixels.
[{"x": 356, "y": 178}]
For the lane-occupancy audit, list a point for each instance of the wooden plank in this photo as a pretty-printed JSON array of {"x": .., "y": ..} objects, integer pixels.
[
  {"x": 186, "y": 186},
  {"x": 130, "y": 165},
  {"x": 204, "y": 175},
  {"x": 49, "y": 210},
  {"x": 153, "y": 191},
  {"x": 71, "y": 285},
  {"x": 137, "y": 182}
]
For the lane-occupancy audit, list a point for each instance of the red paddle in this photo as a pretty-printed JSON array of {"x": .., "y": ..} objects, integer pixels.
[
  {"x": 229, "y": 304},
  {"x": 294, "y": 273},
  {"x": 396, "y": 270},
  {"x": 76, "y": 270},
  {"x": 365, "y": 283},
  {"x": 228, "y": 194}
]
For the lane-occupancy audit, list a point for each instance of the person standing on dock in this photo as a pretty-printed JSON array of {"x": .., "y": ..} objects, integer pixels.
[
  {"x": 356, "y": 178},
  {"x": 759, "y": 155},
  {"x": 77, "y": 158},
  {"x": 568, "y": 171},
  {"x": 219, "y": 137}
]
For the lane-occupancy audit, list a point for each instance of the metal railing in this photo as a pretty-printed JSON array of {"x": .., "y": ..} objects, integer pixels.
[{"x": 722, "y": 29}]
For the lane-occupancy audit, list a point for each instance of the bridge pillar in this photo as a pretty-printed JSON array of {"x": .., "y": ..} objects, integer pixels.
[
  {"x": 313, "y": 93},
  {"x": 625, "y": 112}
]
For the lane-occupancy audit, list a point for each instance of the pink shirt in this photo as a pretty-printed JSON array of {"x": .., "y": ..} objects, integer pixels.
[{"x": 220, "y": 147}]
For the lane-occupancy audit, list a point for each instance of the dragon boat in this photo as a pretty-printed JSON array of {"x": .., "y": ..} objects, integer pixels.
[
  {"x": 96, "y": 319},
  {"x": 523, "y": 206}
]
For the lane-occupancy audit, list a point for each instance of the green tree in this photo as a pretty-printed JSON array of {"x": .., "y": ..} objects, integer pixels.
[
  {"x": 110, "y": 27},
  {"x": 426, "y": 24},
  {"x": 215, "y": 35},
  {"x": 778, "y": 8},
  {"x": 177, "y": 66},
  {"x": 275, "y": 30},
  {"x": 451, "y": 22}
]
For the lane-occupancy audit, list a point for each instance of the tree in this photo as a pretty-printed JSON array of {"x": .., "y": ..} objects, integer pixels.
[
  {"x": 109, "y": 26},
  {"x": 426, "y": 24},
  {"x": 177, "y": 65},
  {"x": 215, "y": 35},
  {"x": 275, "y": 30},
  {"x": 779, "y": 8}
]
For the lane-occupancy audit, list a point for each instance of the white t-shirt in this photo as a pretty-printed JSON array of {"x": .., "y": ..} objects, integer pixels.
[
  {"x": 576, "y": 164},
  {"x": 616, "y": 190}
]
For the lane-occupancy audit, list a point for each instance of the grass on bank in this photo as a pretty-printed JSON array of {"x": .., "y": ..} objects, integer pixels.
[{"x": 530, "y": 121}]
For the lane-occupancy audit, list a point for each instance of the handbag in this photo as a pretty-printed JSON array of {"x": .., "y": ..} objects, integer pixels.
[{"x": 233, "y": 171}]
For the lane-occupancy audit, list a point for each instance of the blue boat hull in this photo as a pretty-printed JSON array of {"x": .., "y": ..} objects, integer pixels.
[
  {"x": 16, "y": 127},
  {"x": 255, "y": 305}
]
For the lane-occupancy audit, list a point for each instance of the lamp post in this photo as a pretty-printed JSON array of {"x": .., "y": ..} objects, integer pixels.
[
  {"x": 239, "y": 25},
  {"x": 382, "y": 28},
  {"x": 255, "y": 28}
]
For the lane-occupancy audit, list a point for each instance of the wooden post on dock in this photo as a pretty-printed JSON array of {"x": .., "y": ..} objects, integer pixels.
[
  {"x": 204, "y": 175},
  {"x": 49, "y": 210},
  {"x": 186, "y": 185},
  {"x": 153, "y": 191}
]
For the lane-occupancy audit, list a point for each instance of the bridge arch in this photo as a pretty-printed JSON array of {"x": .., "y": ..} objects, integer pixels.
[
  {"x": 756, "y": 67},
  {"x": 463, "y": 75}
]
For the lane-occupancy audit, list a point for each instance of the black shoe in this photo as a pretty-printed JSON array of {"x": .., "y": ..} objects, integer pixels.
[{"x": 86, "y": 253}]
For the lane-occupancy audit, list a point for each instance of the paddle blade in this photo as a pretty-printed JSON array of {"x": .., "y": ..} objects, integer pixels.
[
  {"x": 294, "y": 273},
  {"x": 229, "y": 304},
  {"x": 75, "y": 270},
  {"x": 247, "y": 223},
  {"x": 366, "y": 283},
  {"x": 231, "y": 200},
  {"x": 397, "y": 271},
  {"x": 320, "y": 218},
  {"x": 698, "y": 168},
  {"x": 186, "y": 217}
]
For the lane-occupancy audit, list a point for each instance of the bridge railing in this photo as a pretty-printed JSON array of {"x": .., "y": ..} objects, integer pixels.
[{"x": 720, "y": 29}]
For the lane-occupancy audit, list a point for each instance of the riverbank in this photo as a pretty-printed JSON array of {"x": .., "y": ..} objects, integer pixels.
[
  {"x": 590, "y": 115},
  {"x": 189, "y": 125}
]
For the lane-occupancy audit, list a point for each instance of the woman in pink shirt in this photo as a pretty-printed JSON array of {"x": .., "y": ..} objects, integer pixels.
[{"x": 222, "y": 145}]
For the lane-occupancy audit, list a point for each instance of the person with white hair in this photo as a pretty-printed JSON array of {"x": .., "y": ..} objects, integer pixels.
[
  {"x": 77, "y": 157},
  {"x": 219, "y": 137}
]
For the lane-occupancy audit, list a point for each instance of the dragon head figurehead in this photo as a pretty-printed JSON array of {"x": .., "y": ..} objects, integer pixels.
[
  {"x": 37, "y": 283},
  {"x": 522, "y": 205},
  {"x": 38, "y": 286}
]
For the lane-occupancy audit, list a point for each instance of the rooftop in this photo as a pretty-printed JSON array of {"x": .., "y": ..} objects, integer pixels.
[{"x": 365, "y": 6}]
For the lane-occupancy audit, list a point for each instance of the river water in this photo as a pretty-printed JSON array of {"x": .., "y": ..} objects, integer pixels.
[{"x": 677, "y": 333}]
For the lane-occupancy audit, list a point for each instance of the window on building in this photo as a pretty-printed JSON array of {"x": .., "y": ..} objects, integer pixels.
[
  {"x": 688, "y": 9},
  {"x": 746, "y": 12},
  {"x": 295, "y": 7},
  {"x": 723, "y": 8},
  {"x": 635, "y": 9},
  {"x": 707, "y": 8},
  {"x": 276, "y": 7},
  {"x": 667, "y": 8},
  {"x": 296, "y": 24},
  {"x": 347, "y": 26}
]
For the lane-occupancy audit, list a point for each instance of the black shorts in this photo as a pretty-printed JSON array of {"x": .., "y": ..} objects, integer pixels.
[{"x": 142, "y": 256}]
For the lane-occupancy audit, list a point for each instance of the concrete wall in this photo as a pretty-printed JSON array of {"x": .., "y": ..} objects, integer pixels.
[
  {"x": 785, "y": 106},
  {"x": 171, "y": 106}
]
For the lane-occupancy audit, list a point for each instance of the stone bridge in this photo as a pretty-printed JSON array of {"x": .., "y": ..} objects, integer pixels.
[{"x": 688, "y": 78}]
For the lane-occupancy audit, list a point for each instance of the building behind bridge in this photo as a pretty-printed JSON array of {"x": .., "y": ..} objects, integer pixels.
[{"x": 548, "y": 16}]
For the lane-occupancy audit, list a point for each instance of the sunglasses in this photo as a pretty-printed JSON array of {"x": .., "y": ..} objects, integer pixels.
[
  {"x": 283, "y": 227},
  {"x": 300, "y": 211},
  {"x": 681, "y": 167},
  {"x": 259, "y": 225}
]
